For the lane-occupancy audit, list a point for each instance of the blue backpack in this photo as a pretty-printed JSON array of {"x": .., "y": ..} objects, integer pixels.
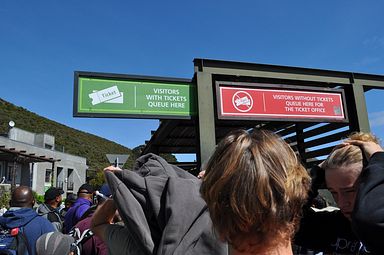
[{"x": 13, "y": 241}]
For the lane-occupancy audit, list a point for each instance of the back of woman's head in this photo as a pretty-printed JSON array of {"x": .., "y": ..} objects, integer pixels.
[
  {"x": 254, "y": 187},
  {"x": 349, "y": 154}
]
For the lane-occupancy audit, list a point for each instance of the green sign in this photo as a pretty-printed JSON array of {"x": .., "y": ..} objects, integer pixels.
[{"x": 104, "y": 97}]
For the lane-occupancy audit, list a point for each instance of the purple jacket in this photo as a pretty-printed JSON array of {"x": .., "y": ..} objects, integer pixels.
[{"x": 75, "y": 212}]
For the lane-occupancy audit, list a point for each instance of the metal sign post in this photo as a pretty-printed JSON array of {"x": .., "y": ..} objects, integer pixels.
[{"x": 118, "y": 160}]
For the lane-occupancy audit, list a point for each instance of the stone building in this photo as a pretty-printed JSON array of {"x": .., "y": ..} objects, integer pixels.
[{"x": 31, "y": 159}]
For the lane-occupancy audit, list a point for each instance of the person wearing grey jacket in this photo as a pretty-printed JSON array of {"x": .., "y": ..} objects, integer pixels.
[
  {"x": 162, "y": 209},
  {"x": 50, "y": 208}
]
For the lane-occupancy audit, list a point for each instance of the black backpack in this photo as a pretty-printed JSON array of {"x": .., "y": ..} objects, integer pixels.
[{"x": 13, "y": 241}]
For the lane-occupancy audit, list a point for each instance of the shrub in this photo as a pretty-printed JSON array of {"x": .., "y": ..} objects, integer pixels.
[
  {"x": 4, "y": 200},
  {"x": 39, "y": 198}
]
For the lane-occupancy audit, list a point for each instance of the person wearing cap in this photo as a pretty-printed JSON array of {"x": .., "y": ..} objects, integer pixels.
[
  {"x": 95, "y": 245},
  {"x": 55, "y": 243},
  {"x": 83, "y": 202},
  {"x": 50, "y": 208},
  {"x": 21, "y": 216},
  {"x": 69, "y": 201}
]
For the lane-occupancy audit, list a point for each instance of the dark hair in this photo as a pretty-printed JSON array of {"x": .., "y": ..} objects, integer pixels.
[
  {"x": 255, "y": 188},
  {"x": 22, "y": 196}
]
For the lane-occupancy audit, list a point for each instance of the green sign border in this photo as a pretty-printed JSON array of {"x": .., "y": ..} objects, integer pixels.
[{"x": 134, "y": 79}]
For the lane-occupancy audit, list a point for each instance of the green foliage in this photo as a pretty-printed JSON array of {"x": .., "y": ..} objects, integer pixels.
[
  {"x": 98, "y": 180},
  {"x": 168, "y": 157},
  {"x": 4, "y": 200},
  {"x": 136, "y": 152},
  {"x": 38, "y": 198}
]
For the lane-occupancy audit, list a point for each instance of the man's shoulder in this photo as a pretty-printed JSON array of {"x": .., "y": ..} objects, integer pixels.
[
  {"x": 24, "y": 213},
  {"x": 84, "y": 223},
  {"x": 40, "y": 224},
  {"x": 82, "y": 209},
  {"x": 78, "y": 209},
  {"x": 84, "y": 204},
  {"x": 40, "y": 220},
  {"x": 80, "y": 202},
  {"x": 37, "y": 227},
  {"x": 43, "y": 208}
]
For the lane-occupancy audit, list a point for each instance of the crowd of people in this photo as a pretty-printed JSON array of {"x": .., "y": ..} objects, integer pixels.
[
  {"x": 252, "y": 197},
  {"x": 51, "y": 228}
]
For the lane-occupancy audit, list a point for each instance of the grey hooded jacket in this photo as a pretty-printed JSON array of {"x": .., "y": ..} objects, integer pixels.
[
  {"x": 162, "y": 208},
  {"x": 52, "y": 215}
]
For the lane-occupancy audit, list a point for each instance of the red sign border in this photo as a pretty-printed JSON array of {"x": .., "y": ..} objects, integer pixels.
[{"x": 253, "y": 85}]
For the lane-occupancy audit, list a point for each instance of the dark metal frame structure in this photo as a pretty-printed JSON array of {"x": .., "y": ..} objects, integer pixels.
[
  {"x": 15, "y": 156},
  {"x": 311, "y": 140}
]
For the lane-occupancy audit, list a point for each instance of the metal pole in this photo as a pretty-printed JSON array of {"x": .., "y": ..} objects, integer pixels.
[
  {"x": 52, "y": 173},
  {"x": 13, "y": 182},
  {"x": 361, "y": 108},
  {"x": 206, "y": 119},
  {"x": 300, "y": 143}
]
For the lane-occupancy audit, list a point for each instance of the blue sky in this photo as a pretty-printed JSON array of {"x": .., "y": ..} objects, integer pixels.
[{"x": 43, "y": 42}]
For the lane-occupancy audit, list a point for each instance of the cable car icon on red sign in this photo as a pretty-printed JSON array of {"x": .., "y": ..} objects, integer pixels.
[{"x": 242, "y": 101}]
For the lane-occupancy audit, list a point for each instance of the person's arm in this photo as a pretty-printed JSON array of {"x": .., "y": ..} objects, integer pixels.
[
  {"x": 102, "y": 218},
  {"x": 104, "y": 213},
  {"x": 368, "y": 148},
  {"x": 368, "y": 214}
]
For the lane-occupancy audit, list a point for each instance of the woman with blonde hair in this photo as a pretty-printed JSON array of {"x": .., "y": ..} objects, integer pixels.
[
  {"x": 255, "y": 187},
  {"x": 354, "y": 174},
  {"x": 368, "y": 212},
  {"x": 342, "y": 170}
]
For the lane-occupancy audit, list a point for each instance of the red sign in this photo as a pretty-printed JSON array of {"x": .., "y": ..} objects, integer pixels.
[{"x": 282, "y": 104}]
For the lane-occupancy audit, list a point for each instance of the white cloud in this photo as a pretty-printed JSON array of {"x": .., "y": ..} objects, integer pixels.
[{"x": 376, "y": 119}]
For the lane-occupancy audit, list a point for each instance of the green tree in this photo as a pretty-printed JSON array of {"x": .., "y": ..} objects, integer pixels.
[{"x": 4, "y": 200}]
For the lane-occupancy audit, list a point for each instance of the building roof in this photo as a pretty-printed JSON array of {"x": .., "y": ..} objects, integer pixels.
[
  {"x": 11, "y": 154},
  {"x": 311, "y": 140}
]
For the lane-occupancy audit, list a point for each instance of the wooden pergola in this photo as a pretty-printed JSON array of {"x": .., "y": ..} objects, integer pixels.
[{"x": 22, "y": 156}]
